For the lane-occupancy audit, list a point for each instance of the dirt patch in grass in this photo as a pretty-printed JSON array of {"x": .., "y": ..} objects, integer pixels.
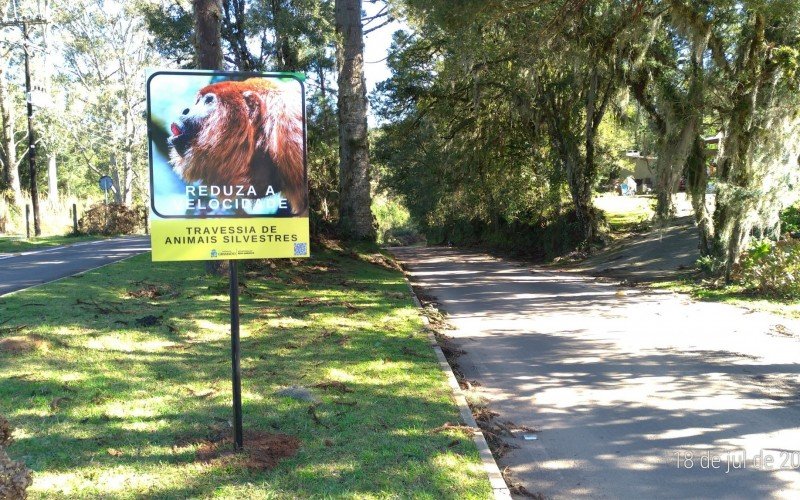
[
  {"x": 262, "y": 451},
  {"x": 152, "y": 292},
  {"x": 466, "y": 430},
  {"x": 22, "y": 343},
  {"x": 333, "y": 385},
  {"x": 377, "y": 259},
  {"x": 5, "y": 432},
  {"x": 149, "y": 320}
]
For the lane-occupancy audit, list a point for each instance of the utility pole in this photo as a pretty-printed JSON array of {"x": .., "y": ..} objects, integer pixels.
[{"x": 24, "y": 23}]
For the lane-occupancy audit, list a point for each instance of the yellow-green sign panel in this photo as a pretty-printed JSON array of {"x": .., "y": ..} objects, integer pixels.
[
  {"x": 209, "y": 239},
  {"x": 227, "y": 166}
]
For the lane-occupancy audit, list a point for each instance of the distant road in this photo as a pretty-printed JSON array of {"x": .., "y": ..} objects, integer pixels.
[{"x": 27, "y": 269}]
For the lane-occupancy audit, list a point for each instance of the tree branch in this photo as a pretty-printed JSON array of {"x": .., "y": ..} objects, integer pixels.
[
  {"x": 382, "y": 13},
  {"x": 390, "y": 20}
]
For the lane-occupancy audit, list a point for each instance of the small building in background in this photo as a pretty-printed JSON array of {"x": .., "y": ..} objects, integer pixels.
[{"x": 643, "y": 166}]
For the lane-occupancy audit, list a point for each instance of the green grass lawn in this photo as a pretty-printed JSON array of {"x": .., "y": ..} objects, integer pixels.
[
  {"x": 11, "y": 244},
  {"x": 626, "y": 213},
  {"x": 104, "y": 407},
  {"x": 733, "y": 294}
]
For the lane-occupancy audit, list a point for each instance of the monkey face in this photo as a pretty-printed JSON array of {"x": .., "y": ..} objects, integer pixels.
[
  {"x": 243, "y": 133},
  {"x": 186, "y": 127}
]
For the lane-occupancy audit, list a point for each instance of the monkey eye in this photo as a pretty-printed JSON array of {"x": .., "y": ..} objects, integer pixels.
[{"x": 209, "y": 99}]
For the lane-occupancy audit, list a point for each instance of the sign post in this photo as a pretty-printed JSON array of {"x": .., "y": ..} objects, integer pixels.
[
  {"x": 236, "y": 368},
  {"x": 228, "y": 176}
]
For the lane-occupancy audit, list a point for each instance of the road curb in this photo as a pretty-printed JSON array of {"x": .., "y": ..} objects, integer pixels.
[{"x": 499, "y": 487}]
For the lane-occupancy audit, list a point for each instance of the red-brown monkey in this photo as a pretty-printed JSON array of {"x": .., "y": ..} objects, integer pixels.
[{"x": 247, "y": 133}]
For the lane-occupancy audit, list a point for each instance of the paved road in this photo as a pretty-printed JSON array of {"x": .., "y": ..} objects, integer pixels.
[
  {"x": 660, "y": 253},
  {"x": 18, "y": 271},
  {"x": 635, "y": 394}
]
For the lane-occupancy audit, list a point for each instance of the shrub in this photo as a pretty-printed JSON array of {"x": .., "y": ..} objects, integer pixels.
[
  {"x": 772, "y": 268},
  {"x": 109, "y": 220},
  {"x": 710, "y": 266},
  {"x": 790, "y": 220}
]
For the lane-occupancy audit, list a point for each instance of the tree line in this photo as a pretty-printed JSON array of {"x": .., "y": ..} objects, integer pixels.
[
  {"x": 500, "y": 123},
  {"x": 102, "y": 48},
  {"x": 509, "y": 105}
]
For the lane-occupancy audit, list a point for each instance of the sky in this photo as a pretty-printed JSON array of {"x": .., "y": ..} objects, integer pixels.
[{"x": 376, "y": 47}]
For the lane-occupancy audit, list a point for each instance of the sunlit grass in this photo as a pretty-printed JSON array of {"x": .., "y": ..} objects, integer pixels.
[
  {"x": 733, "y": 294},
  {"x": 11, "y": 244},
  {"x": 104, "y": 407},
  {"x": 625, "y": 213}
]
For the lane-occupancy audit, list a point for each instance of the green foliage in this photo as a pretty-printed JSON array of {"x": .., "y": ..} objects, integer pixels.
[
  {"x": 500, "y": 118},
  {"x": 323, "y": 160},
  {"x": 710, "y": 265},
  {"x": 110, "y": 220},
  {"x": 772, "y": 269},
  {"x": 290, "y": 35},
  {"x": 790, "y": 220},
  {"x": 172, "y": 24},
  {"x": 394, "y": 222}
]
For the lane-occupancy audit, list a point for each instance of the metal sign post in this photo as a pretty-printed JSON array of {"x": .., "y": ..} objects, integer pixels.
[{"x": 236, "y": 368}]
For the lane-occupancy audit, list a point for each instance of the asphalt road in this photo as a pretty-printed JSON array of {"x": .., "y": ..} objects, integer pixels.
[
  {"x": 633, "y": 393},
  {"x": 660, "y": 253},
  {"x": 27, "y": 269}
]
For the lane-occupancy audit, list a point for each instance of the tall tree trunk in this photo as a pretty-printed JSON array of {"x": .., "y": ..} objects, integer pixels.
[
  {"x": 674, "y": 150},
  {"x": 285, "y": 55},
  {"x": 696, "y": 185},
  {"x": 566, "y": 134},
  {"x": 355, "y": 214},
  {"x": 126, "y": 183},
  {"x": 208, "y": 55},
  {"x": 127, "y": 197},
  {"x": 116, "y": 178},
  {"x": 732, "y": 230},
  {"x": 682, "y": 121},
  {"x": 207, "y": 37},
  {"x": 11, "y": 170},
  {"x": 732, "y": 221}
]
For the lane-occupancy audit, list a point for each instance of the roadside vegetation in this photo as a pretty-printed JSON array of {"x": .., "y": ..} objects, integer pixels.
[
  {"x": 626, "y": 214},
  {"x": 503, "y": 123},
  {"x": 118, "y": 384},
  {"x": 732, "y": 294},
  {"x": 767, "y": 277},
  {"x": 12, "y": 244}
]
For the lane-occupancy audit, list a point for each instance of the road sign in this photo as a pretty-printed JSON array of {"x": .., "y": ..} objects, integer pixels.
[
  {"x": 106, "y": 183},
  {"x": 228, "y": 176},
  {"x": 227, "y": 165}
]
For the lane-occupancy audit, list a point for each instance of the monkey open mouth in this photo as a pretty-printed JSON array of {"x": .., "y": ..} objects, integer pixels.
[{"x": 181, "y": 137}]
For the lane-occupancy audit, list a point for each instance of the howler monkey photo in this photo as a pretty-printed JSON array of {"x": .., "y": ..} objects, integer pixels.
[{"x": 240, "y": 143}]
